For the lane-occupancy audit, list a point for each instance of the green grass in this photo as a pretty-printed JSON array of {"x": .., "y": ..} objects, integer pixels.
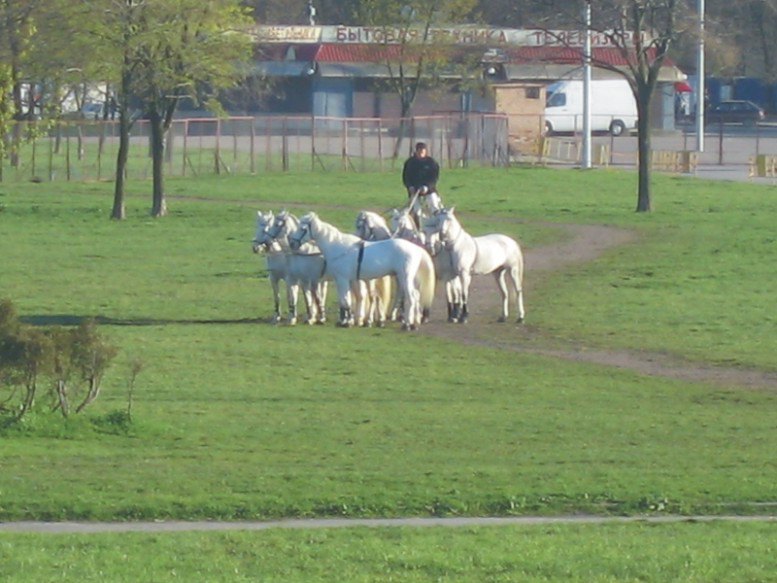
[
  {"x": 237, "y": 419},
  {"x": 587, "y": 554}
]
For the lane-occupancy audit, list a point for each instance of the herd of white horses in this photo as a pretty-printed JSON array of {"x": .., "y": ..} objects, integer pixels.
[{"x": 384, "y": 272}]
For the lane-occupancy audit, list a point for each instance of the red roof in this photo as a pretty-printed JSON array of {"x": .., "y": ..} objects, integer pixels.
[{"x": 371, "y": 53}]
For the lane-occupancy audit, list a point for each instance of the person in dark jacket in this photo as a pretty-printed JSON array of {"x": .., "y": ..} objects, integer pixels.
[{"x": 419, "y": 175}]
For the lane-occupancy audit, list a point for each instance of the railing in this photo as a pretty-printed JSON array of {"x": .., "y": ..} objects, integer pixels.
[
  {"x": 251, "y": 145},
  {"x": 87, "y": 150}
]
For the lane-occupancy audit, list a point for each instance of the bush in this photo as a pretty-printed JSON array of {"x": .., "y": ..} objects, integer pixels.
[{"x": 69, "y": 363}]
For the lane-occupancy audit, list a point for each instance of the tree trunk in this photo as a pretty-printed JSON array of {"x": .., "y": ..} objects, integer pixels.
[
  {"x": 159, "y": 206},
  {"x": 644, "y": 150},
  {"x": 119, "y": 211}
]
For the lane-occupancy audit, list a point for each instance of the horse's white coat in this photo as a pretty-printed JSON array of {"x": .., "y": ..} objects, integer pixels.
[
  {"x": 494, "y": 253},
  {"x": 411, "y": 265},
  {"x": 370, "y": 226},
  {"x": 304, "y": 269},
  {"x": 404, "y": 227}
]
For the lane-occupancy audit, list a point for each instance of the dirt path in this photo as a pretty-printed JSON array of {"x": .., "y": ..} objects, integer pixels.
[
  {"x": 584, "y": 243},
  {"x": 316, "y": 523}
]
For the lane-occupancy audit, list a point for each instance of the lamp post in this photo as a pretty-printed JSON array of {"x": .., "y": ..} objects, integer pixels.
[
  {"x": 586, "y": 162},
  {"x": 700, "y": 90}
]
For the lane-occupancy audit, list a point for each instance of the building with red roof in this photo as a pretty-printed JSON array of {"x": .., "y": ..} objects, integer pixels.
[{"x": 341, "y": 71}]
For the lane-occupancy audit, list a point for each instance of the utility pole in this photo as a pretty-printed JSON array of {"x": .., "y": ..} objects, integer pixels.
[
  {"x": 311, "y": 13},
  {"x": 700, "y": 89},
  {"x": 586, "y": 162}
]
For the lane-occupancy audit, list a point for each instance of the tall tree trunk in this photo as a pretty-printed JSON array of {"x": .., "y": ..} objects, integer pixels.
[
  {"x": 119, "y": 211},
  {"x": 644, "y": 93},
  {"x": 159, "y": 206}
]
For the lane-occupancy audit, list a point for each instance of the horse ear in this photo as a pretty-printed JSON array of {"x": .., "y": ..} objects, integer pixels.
[{"x": 450, "y": 210}]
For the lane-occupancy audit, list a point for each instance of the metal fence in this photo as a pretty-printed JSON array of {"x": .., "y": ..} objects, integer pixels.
[{"x": 87, "y": 150}]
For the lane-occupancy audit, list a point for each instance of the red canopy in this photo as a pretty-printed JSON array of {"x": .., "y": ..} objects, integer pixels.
[{"x": 683, "y": 87}]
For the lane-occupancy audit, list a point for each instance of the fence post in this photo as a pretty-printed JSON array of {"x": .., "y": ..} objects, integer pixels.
[
  {"x": 251, "y": 147},
  {"x": 67, "y": 156}
]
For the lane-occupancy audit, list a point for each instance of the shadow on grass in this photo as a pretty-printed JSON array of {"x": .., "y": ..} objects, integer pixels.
[{"x": 74, "y": 320}]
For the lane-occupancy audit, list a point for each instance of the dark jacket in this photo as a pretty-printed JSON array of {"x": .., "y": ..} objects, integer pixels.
[{"x": 419, "y": 172}]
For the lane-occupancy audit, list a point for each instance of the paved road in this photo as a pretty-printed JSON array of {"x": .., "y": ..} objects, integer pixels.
[{"x": 208, "y": 526}]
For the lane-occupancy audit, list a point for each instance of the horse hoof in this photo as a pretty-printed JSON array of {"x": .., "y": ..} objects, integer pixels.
[
  {"x": 292, "y": 321},
  {"x": 502, "y": 319},
  {"x": 452, "y": 320},
  {"x": 463, "y": 320},
  {"x": 520, "y": 320}
]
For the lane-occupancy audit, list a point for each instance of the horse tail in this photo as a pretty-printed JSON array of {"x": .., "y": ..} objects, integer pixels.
[{"x": 426, "y": 280}]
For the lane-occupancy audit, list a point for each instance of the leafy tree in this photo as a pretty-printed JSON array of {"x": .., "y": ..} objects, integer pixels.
[
  {"x": 188, "y": 45},
  {"x": 157, "y": 53}
]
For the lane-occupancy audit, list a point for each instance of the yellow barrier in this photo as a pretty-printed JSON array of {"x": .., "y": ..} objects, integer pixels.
[
  {"x": 763, "y": 165},
  {"x": 683, "y": 161}
]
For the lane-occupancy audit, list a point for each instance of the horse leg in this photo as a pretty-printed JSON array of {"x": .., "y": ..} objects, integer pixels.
[
  {"x": 412, "y": 302},
  {"x": 515, "y": 278},
  {"x": 451, "y": 299},
  {"x": 276, "y": 295},
  {"x": 361, "y": 292},
  {"x": 344, "y": 293},
  {"x": 320, "y": 291},
  {"x": 500, "y": 277},
  {"x": 465, "y": 278},
  {"x": 310, "y": 307},
  {"x": 292, "y": 293}
]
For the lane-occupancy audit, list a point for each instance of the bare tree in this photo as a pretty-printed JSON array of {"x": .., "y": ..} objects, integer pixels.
[
  {"x": 408, "y": 47},
  {"x": 642, "y": 31}
]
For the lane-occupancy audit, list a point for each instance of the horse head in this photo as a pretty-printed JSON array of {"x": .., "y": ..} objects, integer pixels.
[
  {"x": 441, "y": 229},
  {"x": 303, "y": 233},
  {"x": 371, "y": 226},
  {"x": 284, "y": 223},
  {"x": 262, "y": 240},
  {"x": 403, "y": 227}
]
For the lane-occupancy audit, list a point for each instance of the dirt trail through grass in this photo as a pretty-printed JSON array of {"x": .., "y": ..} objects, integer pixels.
[{"x": 584, "y": 243}]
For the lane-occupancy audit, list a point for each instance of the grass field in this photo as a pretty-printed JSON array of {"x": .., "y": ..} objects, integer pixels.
[{"x": 237, "y": 419}]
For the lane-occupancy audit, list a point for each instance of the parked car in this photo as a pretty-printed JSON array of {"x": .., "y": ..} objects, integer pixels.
[{"x": 738, "y": 111}]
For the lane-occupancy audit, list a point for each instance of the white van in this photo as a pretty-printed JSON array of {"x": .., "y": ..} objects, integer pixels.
[{"x": 613, "y": 107}]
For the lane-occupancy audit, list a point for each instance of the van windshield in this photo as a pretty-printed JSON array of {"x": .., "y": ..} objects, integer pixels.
[{"x": 556, "y": 99}]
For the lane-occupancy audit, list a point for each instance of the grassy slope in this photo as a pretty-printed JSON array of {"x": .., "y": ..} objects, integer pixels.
[{"x": 238, "y": 419}]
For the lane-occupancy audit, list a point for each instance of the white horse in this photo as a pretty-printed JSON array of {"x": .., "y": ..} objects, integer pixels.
[
  {"x": 350, "y": 259},
  {"x": 497, "y": 254},
  {"x": 371, "y": 226},
  {"x": 307, "y": 267},
  {"x": 303, "y": 269},
  {"x": 403, "y": 226}
]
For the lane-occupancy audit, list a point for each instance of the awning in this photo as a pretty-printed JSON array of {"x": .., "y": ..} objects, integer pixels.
[{"x": 682, "y": 87}]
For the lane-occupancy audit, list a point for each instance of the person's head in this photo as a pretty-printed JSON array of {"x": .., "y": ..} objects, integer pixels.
[{"x": 421, "y": 150}]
